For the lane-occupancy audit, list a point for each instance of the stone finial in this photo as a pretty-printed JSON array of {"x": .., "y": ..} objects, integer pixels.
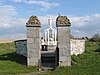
[
  {"x": 62, "y": 21},
  {"x": 33, "y": 21}
]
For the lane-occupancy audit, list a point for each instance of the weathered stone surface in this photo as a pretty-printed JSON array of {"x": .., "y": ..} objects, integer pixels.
[
  {"x": 31, "y": 40},
  {"x": 32, "y": 61},
  {"x": 33, "y": 43},
  {"x": 33, "y": 46},
  {"x": 77, "y": 46},
  {"x": 33, "y": 50},
  {"x": 64, "y": 63},
  {"x": 21, "y": 47},
  {"x": 33, "y": 21},
  {"x": 33, "y": 32},
  {"x": 63, "y": 25},
  {"x": 62, "y": 21},
  {"x": 33, "y": 54},
  {"x": 37, "y": 40}
]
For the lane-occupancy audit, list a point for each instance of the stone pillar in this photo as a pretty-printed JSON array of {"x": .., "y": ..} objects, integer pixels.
[
  {"x": 63, "y": 35},
  {"x": 33, "y": 41}
]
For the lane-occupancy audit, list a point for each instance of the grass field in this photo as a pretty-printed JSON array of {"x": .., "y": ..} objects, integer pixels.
[
  {"x": 86, "y": 64},
  {"x": 10, "y": 63}
]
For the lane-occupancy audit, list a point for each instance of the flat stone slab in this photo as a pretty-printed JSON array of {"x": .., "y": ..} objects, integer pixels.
[{"x": 48, "y": 53}]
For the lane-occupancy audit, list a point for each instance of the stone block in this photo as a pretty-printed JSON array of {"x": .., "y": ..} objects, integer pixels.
[
  {"x": 37, "y": 40},
  {"x": 77, "y": 46},
  {"x": 33, "y": 32},
  {"x": 64, "y": 63},
  {"x": 31, "y": 40},
  {"x": 33, "y": 46},
  {"x": 32, "y": 61},
  {"x": 33, "y": 53},
  {"x": 63, "y": 58},
  {"x": 64, "y": 51}
]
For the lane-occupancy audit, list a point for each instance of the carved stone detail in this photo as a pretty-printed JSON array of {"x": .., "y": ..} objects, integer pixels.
[
  {"x": 62, "y": 21},
  {"x": 33, "y": 21}
]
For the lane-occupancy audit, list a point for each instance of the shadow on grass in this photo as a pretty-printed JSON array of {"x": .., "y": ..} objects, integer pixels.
[
  {"x": 14, "y": 57},
  {"x": 97, "y": 50}
]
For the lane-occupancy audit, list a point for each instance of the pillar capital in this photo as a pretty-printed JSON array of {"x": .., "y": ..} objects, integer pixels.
[
  {"x": 33, "y": 22},
  {"x": 62, "y": 21}
]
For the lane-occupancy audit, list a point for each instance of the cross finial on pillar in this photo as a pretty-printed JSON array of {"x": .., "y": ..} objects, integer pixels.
[{"x": 50, "y": 21}]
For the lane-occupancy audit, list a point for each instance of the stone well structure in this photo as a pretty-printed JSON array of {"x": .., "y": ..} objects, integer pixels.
[{"x": 60, "y": 55}]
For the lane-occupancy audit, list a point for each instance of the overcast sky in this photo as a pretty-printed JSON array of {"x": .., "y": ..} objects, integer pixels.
[{"x": 83, "y": 14}]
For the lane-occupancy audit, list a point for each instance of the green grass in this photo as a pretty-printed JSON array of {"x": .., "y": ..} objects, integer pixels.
[
  {"x": 11, "y": 63},
  {"x": 87, "y": 63}
]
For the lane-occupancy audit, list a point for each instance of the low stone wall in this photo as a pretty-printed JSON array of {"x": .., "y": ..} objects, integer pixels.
[
  {"x": 77, "y": 46},
  {"x": 21, "y": 47}
]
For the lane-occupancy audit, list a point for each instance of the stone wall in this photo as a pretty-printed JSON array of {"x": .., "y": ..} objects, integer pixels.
[
  {"x": 21, "y": 47},
  {"x": 77, "y": 46}
]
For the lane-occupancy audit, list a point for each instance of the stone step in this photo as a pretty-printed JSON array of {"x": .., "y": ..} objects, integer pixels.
[
  {"x": 47, "y": 68},
  {"x": 47, "y": 53}
]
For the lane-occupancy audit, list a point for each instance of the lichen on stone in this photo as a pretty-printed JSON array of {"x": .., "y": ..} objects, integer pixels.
[
  {"x": 62, "y": 21},
  {"x": 33, "y": 20}
]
